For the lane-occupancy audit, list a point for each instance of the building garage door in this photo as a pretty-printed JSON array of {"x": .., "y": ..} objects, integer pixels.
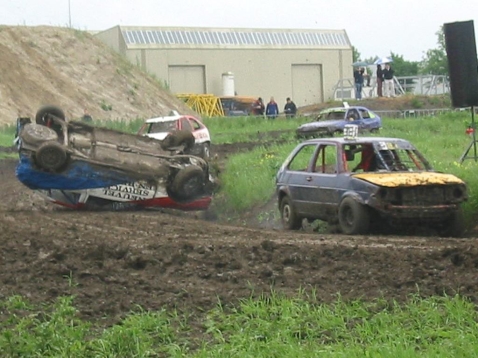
[
  {"x": 307, "y": 84},
  {"x": 187, "y": 79}
]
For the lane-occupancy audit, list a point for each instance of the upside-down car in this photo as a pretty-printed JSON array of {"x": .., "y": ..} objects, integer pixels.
[{"x": 81, "y": 166}]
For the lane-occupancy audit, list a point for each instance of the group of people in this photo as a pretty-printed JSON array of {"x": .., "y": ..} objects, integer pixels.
[
  {"x": 272, "y": 108},
  {"x": 385, "y": 84}
]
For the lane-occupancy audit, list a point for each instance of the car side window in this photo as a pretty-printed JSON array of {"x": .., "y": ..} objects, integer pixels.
[
  {"x": 326, "y": 160},
  {"x": 364, "y": 113},
  {"x": 353, "y": 115},
  {"x": 302, "y": 158},
  {"x": 196, "y": 126},
  {"x": 185, "y": 124}
]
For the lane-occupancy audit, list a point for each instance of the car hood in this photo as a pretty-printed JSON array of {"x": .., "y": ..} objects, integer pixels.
[
  {"x": 409, "y": 179},
  {"x": 158, "y": 136},
  {"x": 322, "y": 124}
]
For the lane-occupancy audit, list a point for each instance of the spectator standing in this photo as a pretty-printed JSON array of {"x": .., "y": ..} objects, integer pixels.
[
  {"x": 389, "y": 86},
  {"x": 258, "y": 107},
  {"x": 272, "y": 109},
  {"x": 358, "y": 79},
  {"x": 290, "y": 109},
  {"x": 379, "y": 81},
  {"x": 86, "y": 117}
]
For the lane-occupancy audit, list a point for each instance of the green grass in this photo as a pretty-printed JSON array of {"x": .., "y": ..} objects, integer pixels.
[{"x": 272, "y": 325}]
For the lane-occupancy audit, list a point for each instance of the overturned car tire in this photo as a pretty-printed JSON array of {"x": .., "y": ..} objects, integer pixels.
[
  {"x": 36, "y": 134},
  {"x": 188, "y": 183},
  {"x": 177, "y": 139},
  {"x": 51, "y": 156},
  {"x": 43, "y": 112}
]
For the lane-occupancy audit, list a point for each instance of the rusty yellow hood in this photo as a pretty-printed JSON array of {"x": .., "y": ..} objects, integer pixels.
[{"x": 408, "y": 179}]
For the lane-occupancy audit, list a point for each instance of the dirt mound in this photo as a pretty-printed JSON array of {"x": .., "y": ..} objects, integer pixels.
[{"x": 74, "y": 70}]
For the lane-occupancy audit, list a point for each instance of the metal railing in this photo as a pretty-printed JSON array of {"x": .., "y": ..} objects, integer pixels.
[{"x": 419, "y": 85}]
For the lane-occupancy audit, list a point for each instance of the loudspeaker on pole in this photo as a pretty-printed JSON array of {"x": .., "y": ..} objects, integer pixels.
[{"x": 462, "y": 63}]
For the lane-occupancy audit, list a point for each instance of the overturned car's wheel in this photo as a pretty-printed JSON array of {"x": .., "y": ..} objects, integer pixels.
[
  {"x": 41, "y": 116},
  {"x": 36, "y": 134},
  {"x": 180, "y": 138},
  {"x": 354, "y": 218},
  {"x": 188, "y": 183},
  {"x": 51, "y": 156}
]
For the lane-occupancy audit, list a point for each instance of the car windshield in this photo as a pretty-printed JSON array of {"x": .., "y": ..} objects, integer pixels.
[
  {"x": 331, "y": 115},
  {"x": 160, "y": 127},
  {"x": 384, "y": 156}
]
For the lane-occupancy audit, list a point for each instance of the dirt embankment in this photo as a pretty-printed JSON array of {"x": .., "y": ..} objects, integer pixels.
[{"x": 74, "y": 70}]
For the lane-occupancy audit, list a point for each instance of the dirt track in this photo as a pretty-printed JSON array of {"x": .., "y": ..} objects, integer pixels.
[{"x": 113, "y": 261}]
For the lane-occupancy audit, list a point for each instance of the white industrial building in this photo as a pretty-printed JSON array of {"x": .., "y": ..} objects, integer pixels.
[{"x": 305, "y": 65}]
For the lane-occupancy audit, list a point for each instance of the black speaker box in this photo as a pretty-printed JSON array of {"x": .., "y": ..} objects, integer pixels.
[{"x": 462, "y": 63}]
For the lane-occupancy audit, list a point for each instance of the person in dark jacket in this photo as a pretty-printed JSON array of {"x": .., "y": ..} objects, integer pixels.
[
  {"x": 358, "y": 79},
  {"x": 379, "y": 81},
  {"x": 290, "y": 109},
  {"x": 258, "y": 107},
  {"x": 389, "y": 86},
  {"x": 272, "y": 109}
]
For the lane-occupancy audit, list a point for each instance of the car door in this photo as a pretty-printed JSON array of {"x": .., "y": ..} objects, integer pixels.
[
  {"x": 366, "y": 120},
  {"x": 320, "y": 187},
  {"x": 297, "y": 176}
]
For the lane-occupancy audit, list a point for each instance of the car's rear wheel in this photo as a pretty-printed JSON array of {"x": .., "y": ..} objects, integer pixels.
[
  {"x": 51, "y": 156},
  {"x": 36, "y": 134},
  {"x": 188, "y": 183},
  {"x": 290, "y": 219},
  {"x": 180, "y": 138},
  {"x": 354, "y": 218},
  {"x": 42, "y": 114}
]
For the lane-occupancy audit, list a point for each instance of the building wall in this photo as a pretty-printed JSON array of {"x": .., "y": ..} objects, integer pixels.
[{"x": 306, "y": 75}]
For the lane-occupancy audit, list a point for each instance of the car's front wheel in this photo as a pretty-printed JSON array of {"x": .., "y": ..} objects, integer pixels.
[
  {"x": 354, "y": 218},
  {"x": 290, "y": 219},
  {"x": 41, "y": 116},
  {"x": 188, "y": 183}
]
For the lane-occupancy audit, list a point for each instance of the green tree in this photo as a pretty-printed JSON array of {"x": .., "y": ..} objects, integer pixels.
[
  {"x": 403, "y": 67},
  {"x": 355, "y": 54},
  {"x": 435, "y": 61}
]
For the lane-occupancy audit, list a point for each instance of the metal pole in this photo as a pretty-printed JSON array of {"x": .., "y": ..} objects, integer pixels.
[
  {"x": 69, "y": 12},
  {"x": 474, "y": 131}
]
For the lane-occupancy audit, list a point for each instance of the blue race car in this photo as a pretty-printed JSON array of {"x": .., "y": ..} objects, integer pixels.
[{"x": 333, "y": 120}]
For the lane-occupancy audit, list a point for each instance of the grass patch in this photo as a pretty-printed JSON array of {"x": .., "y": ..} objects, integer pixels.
[{"x": 272, "y": 325}]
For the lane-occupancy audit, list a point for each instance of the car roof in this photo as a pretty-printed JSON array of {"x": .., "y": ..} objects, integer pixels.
[
  {"x": 342, "y": 109},
  {"x": 165, "y": 119},
  {"x": 341, "y": 140}
]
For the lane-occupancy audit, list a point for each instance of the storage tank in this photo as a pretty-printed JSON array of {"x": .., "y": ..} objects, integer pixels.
[{"x": 228, "y": 84}]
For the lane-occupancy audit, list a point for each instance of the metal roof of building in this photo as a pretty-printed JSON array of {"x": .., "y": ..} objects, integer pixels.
[{"x": 222, "y": 37}]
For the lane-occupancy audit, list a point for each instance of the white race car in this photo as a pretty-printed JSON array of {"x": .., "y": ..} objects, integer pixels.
[{"x": 160, "y": 127}]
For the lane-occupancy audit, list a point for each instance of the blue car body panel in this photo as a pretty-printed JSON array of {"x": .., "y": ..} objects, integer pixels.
[{"x": 79, "y": 175}]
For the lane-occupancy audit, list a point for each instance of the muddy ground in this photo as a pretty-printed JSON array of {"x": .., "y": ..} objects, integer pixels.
[{"x": 113, "y": 261}]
